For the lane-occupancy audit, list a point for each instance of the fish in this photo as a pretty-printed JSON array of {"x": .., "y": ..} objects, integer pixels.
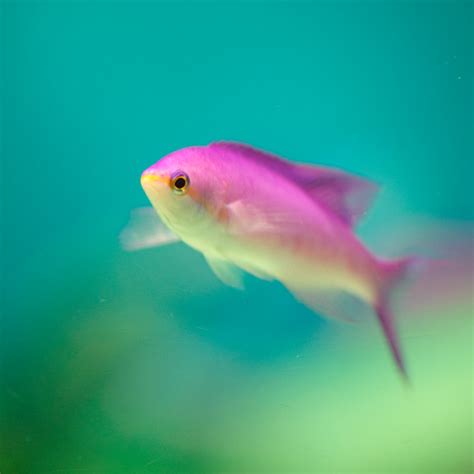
[{"x": 250, "y": 211}]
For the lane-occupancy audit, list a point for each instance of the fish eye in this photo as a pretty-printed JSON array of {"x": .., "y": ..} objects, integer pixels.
[{"x": 180, "y": 183}]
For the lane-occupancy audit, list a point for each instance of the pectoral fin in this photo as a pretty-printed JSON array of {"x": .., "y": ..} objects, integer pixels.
[
  {"x": 145, "y": 229},
  {"x": 243, "y": 218},
  {"x": 346, "y": 195}
]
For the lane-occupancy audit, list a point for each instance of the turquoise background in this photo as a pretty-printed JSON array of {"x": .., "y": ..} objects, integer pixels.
[{"x": 144, "y": 362}]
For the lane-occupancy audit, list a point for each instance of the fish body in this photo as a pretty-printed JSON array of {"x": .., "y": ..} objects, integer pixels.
[{"x": 246, "y": 209}]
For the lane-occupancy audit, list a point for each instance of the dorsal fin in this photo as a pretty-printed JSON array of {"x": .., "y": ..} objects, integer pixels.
[{"x": 343, "y": 194}]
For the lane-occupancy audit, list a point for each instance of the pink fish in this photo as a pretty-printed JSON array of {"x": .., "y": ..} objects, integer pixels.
[{"x": 246, "y": 209}]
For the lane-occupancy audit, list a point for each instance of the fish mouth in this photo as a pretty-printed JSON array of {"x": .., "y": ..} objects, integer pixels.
[{"x": 152, "y": 179}]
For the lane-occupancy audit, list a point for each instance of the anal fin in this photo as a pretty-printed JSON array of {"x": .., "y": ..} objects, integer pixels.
[{"x": 332, "y": 303}]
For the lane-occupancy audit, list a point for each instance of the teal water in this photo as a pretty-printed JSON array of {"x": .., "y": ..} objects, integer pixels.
[{"x": 144, "y": 362}]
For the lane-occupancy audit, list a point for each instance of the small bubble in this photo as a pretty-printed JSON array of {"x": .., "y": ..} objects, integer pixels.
[{"x": 459, "y": 77}]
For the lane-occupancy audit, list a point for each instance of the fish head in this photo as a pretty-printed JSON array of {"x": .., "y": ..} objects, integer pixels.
[{"x": 183, "y": 188}]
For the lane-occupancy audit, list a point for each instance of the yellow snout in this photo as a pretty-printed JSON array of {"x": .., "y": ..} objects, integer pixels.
[{"x": 150, "y": 178}]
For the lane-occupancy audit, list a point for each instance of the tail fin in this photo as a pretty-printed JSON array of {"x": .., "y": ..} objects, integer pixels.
[{"x": 393, "y": 274}]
